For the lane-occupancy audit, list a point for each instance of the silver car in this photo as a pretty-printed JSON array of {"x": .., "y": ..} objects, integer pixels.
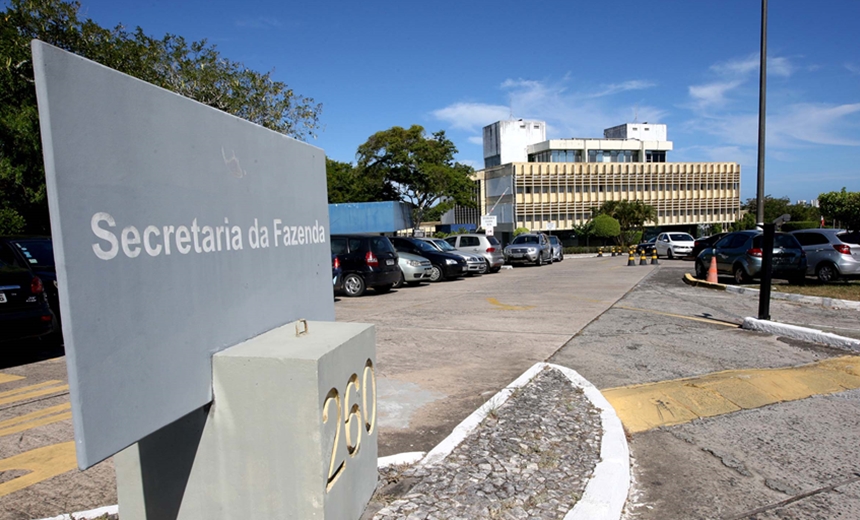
[
  {"x": 739, "y": 254},
  {"x": 674, "y": 244},
  {"x": 476, "y": 263},
  {"x": 413, "y": 270},
  {"x": 486, "y": 246},
  {"x": 557, "y": 249},
  {"x": 529, "y": 248},
  {"x": 830, "y": 253}
]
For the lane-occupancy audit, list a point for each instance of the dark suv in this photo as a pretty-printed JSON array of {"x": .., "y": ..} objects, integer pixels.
[
  {"x": 445, "y": 265},
  {"x": 366, "y": 261}
]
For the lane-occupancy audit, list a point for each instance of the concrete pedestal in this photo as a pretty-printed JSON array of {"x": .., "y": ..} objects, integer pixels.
[{"x": 291, "y": 434}]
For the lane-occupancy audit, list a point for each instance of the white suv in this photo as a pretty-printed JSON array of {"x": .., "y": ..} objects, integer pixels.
[{"x": 488, "y": 247}]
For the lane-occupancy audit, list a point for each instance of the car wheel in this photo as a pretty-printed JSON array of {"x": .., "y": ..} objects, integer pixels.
[
  {"x": 486, "y": 268},
  {"x": 400, "y": 281},
  {"x": 353, "y": 285},
  {"x": 436, "y": 274},
  {"x": 382, "y": 289},
  {"x": 496, "y": 269},
  {"x": 827, "y": 273},
  {"x": 669, "y": 254},
  {"x": 539, "y": 261},
  {"x": 701, "y": 270},
  {"x": 740, "y": 275},
  {"x": 561, "y": 257}
]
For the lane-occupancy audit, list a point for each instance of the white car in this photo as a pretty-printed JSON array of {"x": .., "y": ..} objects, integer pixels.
[{"x": 674, "y": 244}]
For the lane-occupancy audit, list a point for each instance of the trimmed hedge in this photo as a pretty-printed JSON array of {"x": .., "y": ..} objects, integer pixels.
[
  {"x": 584, "y": 249},
  {"x": 801, "y": 224}
]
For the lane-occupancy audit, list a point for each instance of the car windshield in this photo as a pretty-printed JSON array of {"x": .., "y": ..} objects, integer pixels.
[
  {"x": 525, "y": 239},
  {"x": 493, "y": 241},
  {"x": 444, "y": 246},
  {"x": 37, "y": 252},
  {"x": 425, "y": 246},
  {"x": 381, "y": 245},
  {"x": 680, "y": 237}
]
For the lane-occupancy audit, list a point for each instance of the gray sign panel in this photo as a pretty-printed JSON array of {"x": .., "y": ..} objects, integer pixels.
[{"x": 178, "y": 231}]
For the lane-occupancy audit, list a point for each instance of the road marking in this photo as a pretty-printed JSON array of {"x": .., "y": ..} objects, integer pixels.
[
  {"x": 8, "y": 378},
  {"x": 693, "y": 318},
  {"x": 506, "y": 307},
  {"x": 666, "y": 403},
  {"x": 38, "y": 418},
  {"x": 28, "y": 392},
  {"x": 42, "y": 464}
]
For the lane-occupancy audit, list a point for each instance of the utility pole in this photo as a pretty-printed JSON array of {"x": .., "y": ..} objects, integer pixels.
[{"x": 767, "y": 228}]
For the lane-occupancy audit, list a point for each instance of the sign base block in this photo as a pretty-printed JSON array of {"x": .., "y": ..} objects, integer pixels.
[{"x": 291, "y": 433}]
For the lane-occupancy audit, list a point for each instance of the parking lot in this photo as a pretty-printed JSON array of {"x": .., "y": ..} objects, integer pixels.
[{"x": 444, "y": 348}]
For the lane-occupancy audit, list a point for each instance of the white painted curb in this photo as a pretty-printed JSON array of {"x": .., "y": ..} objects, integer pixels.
[
  {"x": 606, "y": 491},
  {"x": 410, "y": 457},
  {"x": 87, "y": 515},
  {"x": 833, "y": 303},
  {"x": 802, "y": 333}
]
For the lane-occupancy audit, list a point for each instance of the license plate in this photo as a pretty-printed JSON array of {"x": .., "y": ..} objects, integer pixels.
[
  {"x": 2, "y": 298},
  {"x": 517, "y": 256},
  {"x": 464, "y": 268},
  {"x": 389, "y": 262}
]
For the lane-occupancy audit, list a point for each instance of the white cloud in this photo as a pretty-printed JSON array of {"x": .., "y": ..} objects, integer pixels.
[
  {"x": 476, "y": 139},
  {"x": 260, "y": 22},
  {"x": 471, "y": 116},
  {"x": 818, "y": 123},
  {"x": 712, "y": 94},
  {"x": 567, "y": 113},
  {"x": 853, "y": 68},
  {"x": 623, "y": 87},
  {"x": 748, "y": 66}
]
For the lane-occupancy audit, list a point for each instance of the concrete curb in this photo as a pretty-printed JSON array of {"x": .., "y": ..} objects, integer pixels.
[
  {"x": 410, "y": 457},
  {"x": 833, "y": 303},
  {"x": 801, "y": 333},
  {"x": 87, "y": 515},
  {"x": 606, "y": 491}
]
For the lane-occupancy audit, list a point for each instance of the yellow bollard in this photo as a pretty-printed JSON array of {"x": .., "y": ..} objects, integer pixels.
[
  {"x": 599, "y": 252},
  {"x": 654, "y": 260},
  {"x": 631, "y": 259}
]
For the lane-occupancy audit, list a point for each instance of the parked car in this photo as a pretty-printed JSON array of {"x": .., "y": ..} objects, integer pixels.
[
  {"x": 674, "y": 244},
  {"x": 646, "y": 247},
  {"x": 702, "y": 243},
  {"x": 486, "y": 246},
  {"x": 529, "y": 248},
  {"x": 24, "y": 309},
  {"x": 366, "y": 261},
  {"x": 413, "y": 270},
  {"x": 445, "y": 266},
  {"x": 739, "y": 254},
  {"x": 830, "y": 253},
  {"x": 336, "y": 274},
  {"x": 475, "y": 263},
  {"x": 37, "y": 253},
  {"x": 557, "y": 248}
]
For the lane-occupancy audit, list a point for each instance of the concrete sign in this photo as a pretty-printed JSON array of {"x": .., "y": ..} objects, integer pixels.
[{"x": 178, "y": 231}]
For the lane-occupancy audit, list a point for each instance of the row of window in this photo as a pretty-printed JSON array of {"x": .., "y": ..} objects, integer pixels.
[
  {"x": 596, "y": 156},
  {"x": 696, "y": 212},
  {"x": 599, "y": 188}
]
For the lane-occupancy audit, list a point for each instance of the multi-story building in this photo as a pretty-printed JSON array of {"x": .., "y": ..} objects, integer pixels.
[{"x": 540, "y": 184}]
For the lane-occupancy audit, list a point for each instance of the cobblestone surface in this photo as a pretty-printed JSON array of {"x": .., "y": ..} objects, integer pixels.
[{"x": 530, "y": 459}]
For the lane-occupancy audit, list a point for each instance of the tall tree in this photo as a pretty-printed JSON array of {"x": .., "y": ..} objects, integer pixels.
[
  {"x": 631, "y": 217},
  {"x": 346, "y": 183},
  {"x": 843, "y": 207},
  {"x": 420, "y": 169},
  {"x": 194, "y": 69}
]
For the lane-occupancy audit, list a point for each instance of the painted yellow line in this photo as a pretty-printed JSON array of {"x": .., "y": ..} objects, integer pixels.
[
  {"x": 29, "y": 392},
  {"x": 692, "y": 318},
  {"x": 648, "y": 406},
  {"x": 35, "y": 419},
  {"x": 42, "y": 464},
  {"x": 506, "y": 307},
  {"x": 8, "y": 378}
]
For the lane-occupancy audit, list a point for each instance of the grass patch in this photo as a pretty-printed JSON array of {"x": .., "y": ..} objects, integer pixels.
[{"x": 843, "y": 290}]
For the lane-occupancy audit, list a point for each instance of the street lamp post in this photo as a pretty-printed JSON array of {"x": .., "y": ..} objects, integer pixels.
[{"x": 768, "y": 228}]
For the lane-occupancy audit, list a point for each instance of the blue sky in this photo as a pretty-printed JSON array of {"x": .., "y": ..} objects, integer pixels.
[{"x": 580, "y": 66}]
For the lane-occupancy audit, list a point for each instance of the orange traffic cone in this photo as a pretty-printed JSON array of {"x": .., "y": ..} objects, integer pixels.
[{"x": 712, "y": 271}]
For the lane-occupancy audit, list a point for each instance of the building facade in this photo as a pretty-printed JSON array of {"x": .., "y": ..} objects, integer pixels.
[{"x": 554, "y": 184}]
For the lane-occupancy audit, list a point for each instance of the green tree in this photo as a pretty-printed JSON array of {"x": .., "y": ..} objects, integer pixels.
[
  {"x": 631, "y": 217},
  {"x": 346, "y": 183},
  {"x": 520, "y": 230},
  {"x": 584, "y": 231},
  {"x": 606, "y": 226},
  {"x": 420, "y": 169},
  {"x": 194, "y": 69},
  {"x": 842, "y": 207}
]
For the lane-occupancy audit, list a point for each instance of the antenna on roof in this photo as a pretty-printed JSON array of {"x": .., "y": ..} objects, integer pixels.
[
  {"x": 636, "y": 113},
  {"x": 511, "y": 105}
]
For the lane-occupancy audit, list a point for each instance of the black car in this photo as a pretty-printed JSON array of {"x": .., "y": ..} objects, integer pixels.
[
  {"x": 706, "y": 242},
  {"x": 445, "y": 265},
  {"x": 37, "y": 254},
  {"x": 24, "y": 309},
  {"x": 365, "y": 261}
]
